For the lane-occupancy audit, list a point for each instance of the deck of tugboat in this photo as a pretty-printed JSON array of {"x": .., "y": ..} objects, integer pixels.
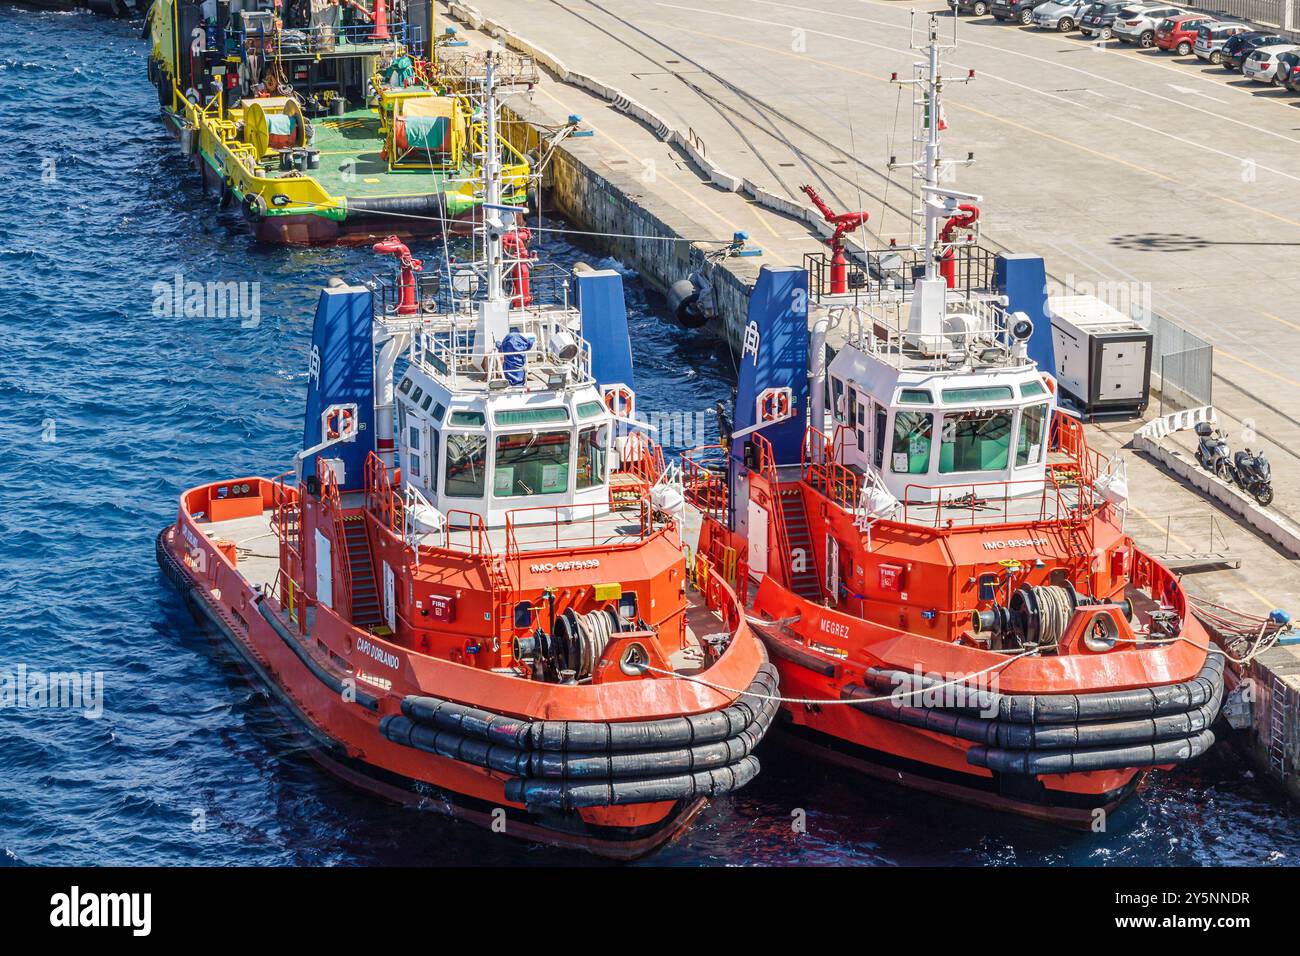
[
  {"x": 352, "y": 162},
  {"x": 258, "y": 561},
  {"x": 980, "y": 503}
]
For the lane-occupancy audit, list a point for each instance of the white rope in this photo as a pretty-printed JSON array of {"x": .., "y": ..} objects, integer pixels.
[{"x": 823, "y": 702}]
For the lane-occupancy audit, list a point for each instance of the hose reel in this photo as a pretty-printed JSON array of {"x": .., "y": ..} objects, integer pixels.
[
  {"x": 572, "y": 648},
  {"x": 1038, "y": 615}
]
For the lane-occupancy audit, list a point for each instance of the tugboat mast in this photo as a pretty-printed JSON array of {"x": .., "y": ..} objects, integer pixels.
[{"x": 492, "y": 187}]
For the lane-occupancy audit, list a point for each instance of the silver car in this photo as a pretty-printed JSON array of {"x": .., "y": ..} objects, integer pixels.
[
  {"x": 1140, "y": 25},
  {"x": 1062, "y": 16},
  {"x": 1210, "y": 38}
]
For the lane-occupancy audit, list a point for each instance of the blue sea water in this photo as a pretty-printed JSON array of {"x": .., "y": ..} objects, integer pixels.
[{"x": 112, "y": 410}]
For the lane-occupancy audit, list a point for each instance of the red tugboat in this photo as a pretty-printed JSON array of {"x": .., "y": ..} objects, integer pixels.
[
  {"x": 481, "y": 600},
  {"x": 952, "y": 600}
]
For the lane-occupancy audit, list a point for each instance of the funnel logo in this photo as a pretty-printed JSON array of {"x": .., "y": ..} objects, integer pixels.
[
  {"x": 313, "y": 367},
  {"x": 751, "y": 343}
]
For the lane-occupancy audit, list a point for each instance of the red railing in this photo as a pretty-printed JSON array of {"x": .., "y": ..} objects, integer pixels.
[
  {"x": 333, "y": 507},
  {"x": 642, "y": 458},
  {"x": 579, "y": 533},
  {"x": 767, "y": 469},
  {"x": 822, "y": 470},
  {"x": 384, "y": 501},
  {"x": 705, "y": 487}
]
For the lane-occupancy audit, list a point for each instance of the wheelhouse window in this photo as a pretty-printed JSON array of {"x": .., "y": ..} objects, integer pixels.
[
  {"x": 466, "y": 465},
  {"x": 591, "y": 457},
  {"x": 531, "y": 463},
  {"x": 838, "y": 411},
  {"x": 977, "y": 440},
  {"x": 556, "y": 414},
  {"x": 1029, "y": 443},
  {"x": 913, "y": 432}
]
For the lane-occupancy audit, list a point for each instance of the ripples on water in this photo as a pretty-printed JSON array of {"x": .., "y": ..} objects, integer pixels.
[{"x": 141, "y": 408}]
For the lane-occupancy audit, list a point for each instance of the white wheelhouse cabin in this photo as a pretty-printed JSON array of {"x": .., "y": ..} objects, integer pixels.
[
  {"x": 965, "y": 412},
  {"x": 497, "y": 433}
]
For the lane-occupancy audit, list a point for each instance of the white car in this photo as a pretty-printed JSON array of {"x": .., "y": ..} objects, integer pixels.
[
  {"x": 1140, "y": 26},
  {"x": 1261, "y": 65}
]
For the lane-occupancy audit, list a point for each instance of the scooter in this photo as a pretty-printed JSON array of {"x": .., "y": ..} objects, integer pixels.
[
  {"x": 1212, "y": 450},
  {"x": 1254, "y": 474}
]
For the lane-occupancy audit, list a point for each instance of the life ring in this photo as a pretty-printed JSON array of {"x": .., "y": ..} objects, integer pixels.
[
  {"x": 774, "y": 406},
  {"x": 620, "y": 400},
  {"x": 337, "y": 421}
]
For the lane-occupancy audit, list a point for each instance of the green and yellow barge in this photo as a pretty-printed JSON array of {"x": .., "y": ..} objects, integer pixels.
[{"x": 321, "y": 120}]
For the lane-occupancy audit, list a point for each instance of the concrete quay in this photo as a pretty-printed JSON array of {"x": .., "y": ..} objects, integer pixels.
[{"x": 708, "y": 118}]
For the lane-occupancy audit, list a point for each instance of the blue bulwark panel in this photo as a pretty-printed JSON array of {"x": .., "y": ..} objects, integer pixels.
[
  {"x": 341, "y": 371},
  {"x": 773, "y": 374},
  {"x": 1023, "y": 280},
  {"x": 604, "y": 326}
]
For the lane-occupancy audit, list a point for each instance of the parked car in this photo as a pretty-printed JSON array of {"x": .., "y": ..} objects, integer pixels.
[
  {"x": 1062, "y": 15},
  {"x": 975, "y": 7},
  {"x": 1097, "y": 19},
  {"x": 1019, "y": 11},
  {"x": 1139, "y": 27},
  {"x": 1015, "y": 11},
  {"x": 1262, "y": 63},
  {"x": 1243, "y": 45},
  {"x": 1293, "y": 80},
  {"x": 1286, "y": 64},
  {"x": 1178, "y": 33},
  {"x": 1211, "y": 38}
]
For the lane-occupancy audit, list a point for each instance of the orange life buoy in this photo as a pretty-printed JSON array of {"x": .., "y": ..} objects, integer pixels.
[
  {"x": 337, "y": 421},
  {"x": 620, "y": 400}
]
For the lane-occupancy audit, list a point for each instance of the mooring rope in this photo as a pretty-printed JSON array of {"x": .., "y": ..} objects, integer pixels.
[{"x": 824, "y": 702}]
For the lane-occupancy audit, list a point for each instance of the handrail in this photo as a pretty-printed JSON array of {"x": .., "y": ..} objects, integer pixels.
[
  {"x": 384, "y": 501},
  {"x": 597, "y": 510},
  {"x": 823, "y": 471},
  {"x": 706, "y": 490},
  {"x": 330, "y": 501},
  {"x": 641, "y": 457},
  {"x": 767, "y": 469}
]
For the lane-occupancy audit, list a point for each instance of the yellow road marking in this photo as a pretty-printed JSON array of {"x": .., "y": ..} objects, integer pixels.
[{"x": 1278, "y": 318}]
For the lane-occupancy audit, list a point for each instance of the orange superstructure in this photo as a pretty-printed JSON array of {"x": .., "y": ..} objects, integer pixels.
[
  {"x": 481, "y": 600},
  {"x": 933, "y": 556}
]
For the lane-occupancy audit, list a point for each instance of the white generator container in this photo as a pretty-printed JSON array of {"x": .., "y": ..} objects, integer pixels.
[{"x": 1103, "y": 357}]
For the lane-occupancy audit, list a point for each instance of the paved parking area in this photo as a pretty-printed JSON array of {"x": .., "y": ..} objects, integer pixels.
[{"x": 1121, "y": 166}]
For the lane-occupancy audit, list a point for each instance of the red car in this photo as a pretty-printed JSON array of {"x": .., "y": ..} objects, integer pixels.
[{"x": 1179, "y": 33}]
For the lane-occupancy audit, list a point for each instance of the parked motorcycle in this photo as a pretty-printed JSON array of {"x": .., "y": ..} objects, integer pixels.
[
  {"x": 1254, "y": 474},
  {"x": 1212, "y": 450}
]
